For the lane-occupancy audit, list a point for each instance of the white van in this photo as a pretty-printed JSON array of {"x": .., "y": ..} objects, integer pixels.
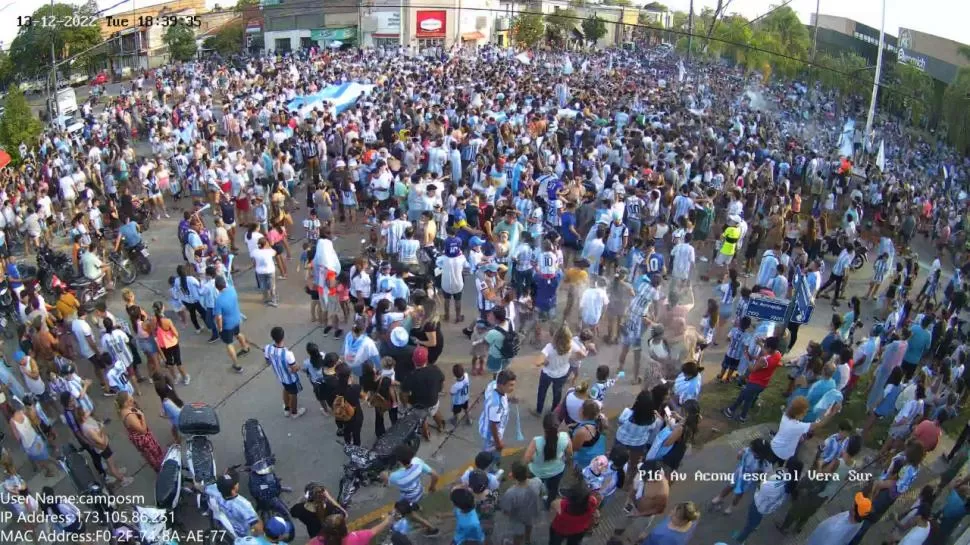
[{"x": 66, "y": 101}]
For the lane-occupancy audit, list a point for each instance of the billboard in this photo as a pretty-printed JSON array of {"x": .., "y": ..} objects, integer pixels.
[{"x": 431, "y": 23}]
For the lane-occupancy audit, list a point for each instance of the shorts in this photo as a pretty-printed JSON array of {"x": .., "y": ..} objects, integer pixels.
[
  {"x": 264, "y": 281},
  {"x": 331, "y": 305},
  {"x": 147, "y": 345},
  {"x": 632, "y": 336},
  {"x": 228, "y": 335},
  {"x": 99, "y": 361},
  {"x": 723, "y": 259},
  {"x": 293, "y": 388},
  {"x": 173, "y": 355},
  {"x": 279, "y": 248},
  {"x": 106, "y": 453},
  {"x": 434, "y": 410},
  {"x": 456, "y": 409},
  {"x": 495, "y": 365},
  {"x": 635, "y": 450},
  {"x": 730, "y": 363},
  {"x": 609, "y": 256},
  {"x": 455, "y": 296},
  {"x": 312, "y": 292}
]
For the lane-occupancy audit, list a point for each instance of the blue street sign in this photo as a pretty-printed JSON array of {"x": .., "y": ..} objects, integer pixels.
[
  {"x": 802, "y": 312},
  {"x": 767, "y": 308}
]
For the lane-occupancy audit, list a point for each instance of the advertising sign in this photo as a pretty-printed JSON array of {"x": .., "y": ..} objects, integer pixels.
[
  {"x": 388, "y": 22},
  {"x": 432, "y": 23}
]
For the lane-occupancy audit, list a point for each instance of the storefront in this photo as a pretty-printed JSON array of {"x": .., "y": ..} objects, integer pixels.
[
  {"x": 387, "y": 32},
  {"x": 334, "y": 37},
  {"x": 431, "y": 28}
]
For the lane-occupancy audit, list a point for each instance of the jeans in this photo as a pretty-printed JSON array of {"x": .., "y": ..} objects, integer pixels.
[
  {"x": 749, "y": 394},
  {"x": 557, "y": 539},
  {"x": 195, "y": 308},
  {"x": 754, "y": 519},
  {"x": 793, "y": 333},
  {"x": 544, "y": 382},
  {"x": 836, "y": 279},
  {"x": 210, "y": 322},
  {"x": 351, "y": 430},
  {"x": 552, "y": 487}
]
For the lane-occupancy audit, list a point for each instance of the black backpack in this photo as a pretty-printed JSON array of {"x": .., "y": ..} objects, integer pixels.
[{"x": 511, "y": 342}]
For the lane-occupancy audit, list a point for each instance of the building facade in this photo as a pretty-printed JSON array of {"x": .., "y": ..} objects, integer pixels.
[
  {"x": 837, "y": 35},
  {"x": 939, "y": 57}
]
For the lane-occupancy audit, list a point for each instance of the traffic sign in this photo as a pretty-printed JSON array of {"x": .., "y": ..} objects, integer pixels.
[
  {"x": 802, "y": 312},
  {"x": 767, "y": 308}
]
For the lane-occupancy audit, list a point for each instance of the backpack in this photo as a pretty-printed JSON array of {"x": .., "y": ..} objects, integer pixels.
[
  {"x": 183, "y": 234},
  {"x": 378, "y": 401},
  {"x": 511, "y": 342},
  {"x": 343, "y": 411}
]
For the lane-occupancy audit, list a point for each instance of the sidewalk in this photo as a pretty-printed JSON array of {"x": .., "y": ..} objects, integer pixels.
[{"x": 718, "y": 455}]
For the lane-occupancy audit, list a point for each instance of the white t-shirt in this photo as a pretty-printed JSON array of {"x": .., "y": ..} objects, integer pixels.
[
  {"x": 452, "y": 268},
  {"x": 682, "y": 257},
  {"x": 82, "y": 330},
  {"x": 591, "y": 305},
  {"x": 786, "y": 439},
  {"x": 263, "y": 258},
  {"x": 252, "y": 243},
  {"x": 557, "y": 365}
]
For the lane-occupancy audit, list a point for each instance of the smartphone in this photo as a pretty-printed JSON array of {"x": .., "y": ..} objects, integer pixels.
[{"x": 667, "y": 411}]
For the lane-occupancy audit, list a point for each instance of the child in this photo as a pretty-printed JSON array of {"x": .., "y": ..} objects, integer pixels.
[
  {"x": 520, "y": 504},
  {"x": 605, "y": 476},
  {"x": 343, "y": 294},
  {"x": 468, "y": 528},
  {"x": 484, "y": 461},
  {"x": 585, "y": 340},
  {"x": 479, "y": 348},
  {"x": 303, "y": 257},
  {"x": 475, "y": 255},
  {"x": 831, "y": 449},
  {"x": 879, "y": 269},
  {"x": 459, "y": 394},
  {"x": 78, "y": 388},
  {"x": 484, "y": 486},
  {"x": 175, "y": 300},
  {"x": 407, "y": 478},
  {"x": 754, "y": 462},
  {"x": 732, "y": 358},
  {"x": 603, "y": 384},
  {"x": 708, "y": 329},
  {"x": 592, "y": 303}
]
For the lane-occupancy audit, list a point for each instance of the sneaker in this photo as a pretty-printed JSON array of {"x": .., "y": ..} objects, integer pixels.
[
  {"x": 243, "y": 352},
  {"x": 110, "y": 392},
  {"x": 198, "y": 331},
  {"x": 299, "y": 412},
  {"x": 704, "y": 259},
  {"x": 337, "y": 334},
  {"x": 431, "y": 532},
  {"x": 742, "y": 419},
  {"x": 237, "y": 369},
  {"x": 727, "y": 412},
  {"x": 126, "y": 482},
  {"x": 212, "y": 340},
  {"x": 273, "y": 304},
  {"x": 286, "y": 411},
  {"x": 110, "y": 479},
  {"x": 186, "y": 379},
  {"x": 327, "y": 329}
]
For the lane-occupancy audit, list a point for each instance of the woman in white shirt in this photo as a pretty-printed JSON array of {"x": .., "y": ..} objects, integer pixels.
[
  {"x": 791, "y": 429},
  {"x": 555, "y": 367},
  {"x": 263, "y": 259},
  {"x": 770, "y": 496}
]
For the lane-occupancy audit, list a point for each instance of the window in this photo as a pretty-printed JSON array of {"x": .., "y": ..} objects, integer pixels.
[
  {"x": 283, "y": 44},
  {"x": 306, "y": 42},
  {"x": 386, "y": 42},
  {"x": 431, "y": 42}
]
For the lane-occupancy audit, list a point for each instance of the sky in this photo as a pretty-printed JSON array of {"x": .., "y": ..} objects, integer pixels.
[{"x": 946, "y": 18}]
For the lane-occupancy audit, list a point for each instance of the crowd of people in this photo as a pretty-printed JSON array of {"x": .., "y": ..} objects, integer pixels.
[{"x": 589, "y": 200}]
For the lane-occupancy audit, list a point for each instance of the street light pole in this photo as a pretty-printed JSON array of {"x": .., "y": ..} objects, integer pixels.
[
  {"x": 875, "y": 81},
  {"x": 55, "y": 109},
  {"x": 690, "y": 30},
  {"x": 815, "y": 33}
]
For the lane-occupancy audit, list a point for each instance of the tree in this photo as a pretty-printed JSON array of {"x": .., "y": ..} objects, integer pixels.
[
  {"x": 228, "y": 40},
  {"x": 561, "y": 22},
  {"x": 30, "y": 50},
  {"x": 956, "y": 111},
  {"x": 722, "y": 6},
  {"x": 621, "y": 3},
  {"x": 782, "y": 32},
  {"x": 528, "y": 29},
  {"x": 18, "y": 124},
  {"x": 656, "y": 6},
  {"x": 6, "y": 69},
  {"x": 244, "y": 5},
  {"x": 181, "y": 42},
  {"x": 912, "y": 95},
  {"x": 594, "y": 28}
]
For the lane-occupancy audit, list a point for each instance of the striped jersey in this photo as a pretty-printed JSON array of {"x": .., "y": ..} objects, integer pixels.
[{"x": 281, "y": 358}]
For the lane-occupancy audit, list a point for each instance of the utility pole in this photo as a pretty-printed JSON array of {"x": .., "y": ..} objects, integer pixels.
[
  {"x": 875, "y": 82},
  {"x": 55, "y": 109},
  {"x": 815, "y": 32},
  {"x": 690, "y": 30}
]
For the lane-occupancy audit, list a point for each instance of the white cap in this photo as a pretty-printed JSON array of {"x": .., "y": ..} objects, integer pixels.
[
  {"x": 734, "y": 218},
  {"x": 400, "y": 337}
]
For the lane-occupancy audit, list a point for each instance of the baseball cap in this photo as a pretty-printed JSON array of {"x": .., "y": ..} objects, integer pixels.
[
  {"x": 476, "y": 241},
  {"x": 420, "y": 356},
  {"x": 478, "y": 481},
  {"x": 277, "y": 527},
  {"x": 863, "y": 505},
  {"x": 491, "y": 267}
]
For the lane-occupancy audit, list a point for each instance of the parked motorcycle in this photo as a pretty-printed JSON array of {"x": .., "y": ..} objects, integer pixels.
[
  {"x": 139, "y": 255},
  {"x": 8, "y": 310},
  {"x": 264, "y": 486},
  {"x": 86, "y": 482},
  {"x": 364, "y": 467},
  {"x": 198, "y": 421}
]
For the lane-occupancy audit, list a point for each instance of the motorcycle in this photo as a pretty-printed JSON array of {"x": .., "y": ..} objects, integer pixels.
[
  {"x": 198, "y": 421},
  {"x": 264, "y": 486},
  {"x": 364, "y": 466},
  {"x": 8, "y": 311},
  {"x": 86, "y": 482},
  {"x": 122, "y": 268},
  {"x": 861, "y": 256},
  {"x": 139, "y": 255}
]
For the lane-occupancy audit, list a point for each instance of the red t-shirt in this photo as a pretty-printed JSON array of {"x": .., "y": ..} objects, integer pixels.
[
  {"x": 566, "y": 524},
  {"x": 762, "y": 377},
  {"x": 928, "y": 434}
]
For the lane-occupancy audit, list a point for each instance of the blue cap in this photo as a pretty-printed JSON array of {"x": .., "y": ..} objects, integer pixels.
[
  {"x": 476, "y": 241},
  {"x": 18, "y": 356},
  {"x": 277, "y": 527}
]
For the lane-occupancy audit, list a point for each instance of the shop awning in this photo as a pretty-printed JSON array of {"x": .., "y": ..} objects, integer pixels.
[{"x": 472, "y": 36}]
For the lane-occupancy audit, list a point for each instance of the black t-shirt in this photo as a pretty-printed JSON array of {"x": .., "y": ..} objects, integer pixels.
[
  {"x": 423, "y": 386},
  {"x": 351, "y": 394},
  {"x": 403, "y": 358},
  {"x": 434, "y": 352},
  {"x": 228, "y": 210}
]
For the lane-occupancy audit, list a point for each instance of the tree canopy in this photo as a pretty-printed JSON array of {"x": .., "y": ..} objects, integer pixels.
[
  {"x": 228, "y": 40},
  {"x": 956, "y": 107},
  {"x": 594, "y": 28},
  {"x": 528, "y": 29},
  {"x": 561, "y": 22},
  {"x": 180, "y": 40},
  {"x": 18, "y": 124},
  {"x": 30, "y": 50}
]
